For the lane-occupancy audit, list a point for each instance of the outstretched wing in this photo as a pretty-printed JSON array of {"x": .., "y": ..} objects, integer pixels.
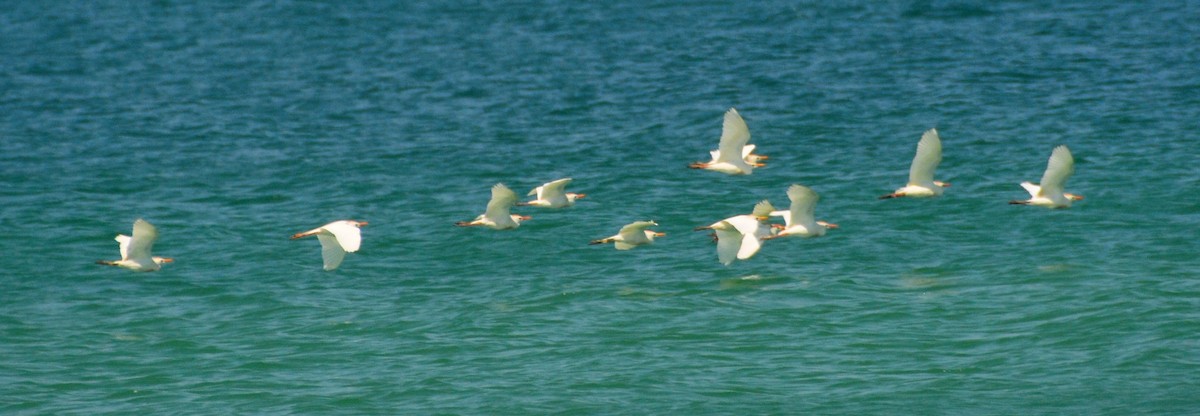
[
  {"x": 346, "y": 233},
  {"x": 729, "y": 241},
  {"x": 804, "y": 202},
  {"x": 331, "y": 251},
  {"x": 123, "y": 242},
  {"x": 734, "y": 136},
  {"x": 762, "y": 209},
  {"x": 929, "y": 155},
  {"x": 1061, "y": 166},
  {"x": 635, "y": 230},
  {"x": 555, "y": 189},
  {"x": 142, "y": 242},
  {"x": 502, "y": 201}
]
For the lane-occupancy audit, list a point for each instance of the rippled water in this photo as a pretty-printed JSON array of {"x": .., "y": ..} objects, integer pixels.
[{"x": 233, "y": 126}]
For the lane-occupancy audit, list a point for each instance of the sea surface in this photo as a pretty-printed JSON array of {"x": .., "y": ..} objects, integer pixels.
[{"x": 232, "y": 125}]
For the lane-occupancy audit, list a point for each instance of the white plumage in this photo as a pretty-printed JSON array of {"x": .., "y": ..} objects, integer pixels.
[
  {"x": 498, "y": 215},
  {"x": 728, "y": 158},
  {"x": 553, "y": 195},
  {"x": 632, "y": 235},
  {"x": 135, "y": 251},
  {"x": 1050, "y": 192},
  {"x": 920, "y": 174},
  {"x": 744, "y": 235},
  {"x": 799, "y": 220},
  {"x": 337, "y": 238}
]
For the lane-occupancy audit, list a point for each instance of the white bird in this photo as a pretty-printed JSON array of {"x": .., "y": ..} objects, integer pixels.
[
  {"x": 747, "y": 154},
  {"x": 920, "y": 175},
  {"x": 337, "y": 238},
  {"x": 498, "y": 215},
  {"x": 1049, "y": 193},
  {"x": 799, "y": 220},
  {"x": 750, "y": 232},
  {"x": 728, "y": 158},
  {"x": 135, "y": 251},
  {"x": 632, "y": 235},
  {"x": 553, "y": 195}
]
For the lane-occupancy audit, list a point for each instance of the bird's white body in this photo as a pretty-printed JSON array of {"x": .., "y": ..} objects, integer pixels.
[
  {"x": 498, "y": 215},
  {"x": 920, "y": 174},
  {"x": 632, "y": 235},
  {"x": 337, "y": 238},
  {"x": 799, "y": 220},
  {"x": 1049, "y": 193},
  {"x": 748, "y": 155},
  {"x": 728, "y": 158},
  {"x": 553, "y": 195},
  {"x": 740, "y": 237},
  {"x": 135, "y": 251}
]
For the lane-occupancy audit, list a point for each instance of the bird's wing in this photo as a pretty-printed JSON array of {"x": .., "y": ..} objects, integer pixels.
[
  {"x": 331, "y": 251},
  {"x": 555, "y": 189},
  {"x": 729, "y": 241},
  {"x": 635, "y": 230},
  {"x": 804, "y": 201},
  {"x": 123, "y": 242},
  {"x": 346, "y": 233},
  {"x": 751, "y": 243},
  {"x": 763, "y": 209},
  {"x": 144, "y": 235},
  {"x": 734, "y": 136},
  {"x": 502, "y": 201},
  {"x": 929, "y": 155},
  {"x": 1034, "y": 190},
  {"x": 536, "y": 191},
  {"x": 715, "y": 154},
  {"x": 747, "y": 150},
  {"x": 1061, "y": 166}
]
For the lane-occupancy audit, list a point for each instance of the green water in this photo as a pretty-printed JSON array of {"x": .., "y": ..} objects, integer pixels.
[{"x": 232, "y": 126}]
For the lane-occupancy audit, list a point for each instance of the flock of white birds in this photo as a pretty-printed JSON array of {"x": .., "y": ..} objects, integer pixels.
[{"x": 738, "y": 238}]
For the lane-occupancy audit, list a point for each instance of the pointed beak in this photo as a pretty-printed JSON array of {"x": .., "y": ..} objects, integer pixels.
[
  {"x": 660, "y": 234},
  {"x": 1074, "y": 197},
  {"x": 580, "y": 196},
  {"x": 525, "y": 217},
  {"x": 168, "y": 260},
  {"x": 362, "y": 223},
  {"x": 942, "y": 184},
  {"x": 760, "y": 157},
  {"x": 828, "y": 225}
]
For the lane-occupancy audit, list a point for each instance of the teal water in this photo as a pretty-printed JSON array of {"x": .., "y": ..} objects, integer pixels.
[{"x": 232, "y": 125}]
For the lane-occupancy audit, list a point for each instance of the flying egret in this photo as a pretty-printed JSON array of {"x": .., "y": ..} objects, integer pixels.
[
  {"x": 1049, "y": 193},
  {"x": 632, "y": 235},
  {"x": 553, "y": 195},
  {"x": 337, "y": 238},
  {"x": 135, "y": 251},
  {"x": 920, "y": 175},
  {"x": 498, "y": 215},
  {"x": 799, "y": 220},
  {"x": 728, "y": 158},
  {"x": 750, "y": 231}
]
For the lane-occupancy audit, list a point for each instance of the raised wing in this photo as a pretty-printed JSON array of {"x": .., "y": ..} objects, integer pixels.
[
  {"x": 762, "y": 209},
  {"x": 142, "y": 242},
  {"x": 502, "y": 201},
  {"x": 346, "y": 234},
  {"x": 804, "y": 202},
  {"x": 929, "y": 155},
  {"x": 1034, "y": 190},
  {"x": 734, "y": 136},
  {"x": 635, "y": 230},
  {"x": 555, "y": 189},
  {"x": 729, "y": 241},
  {"x": 747, "y": 150},
  {"x": 1061, "y": 166},
  {"x": 751, "y": 243},
  {"x": 331, "y": 251},
  {"x": 123, "y": 242}
]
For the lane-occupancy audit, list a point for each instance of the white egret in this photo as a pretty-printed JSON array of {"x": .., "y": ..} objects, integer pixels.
[{"x": 337, "y": 238}]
